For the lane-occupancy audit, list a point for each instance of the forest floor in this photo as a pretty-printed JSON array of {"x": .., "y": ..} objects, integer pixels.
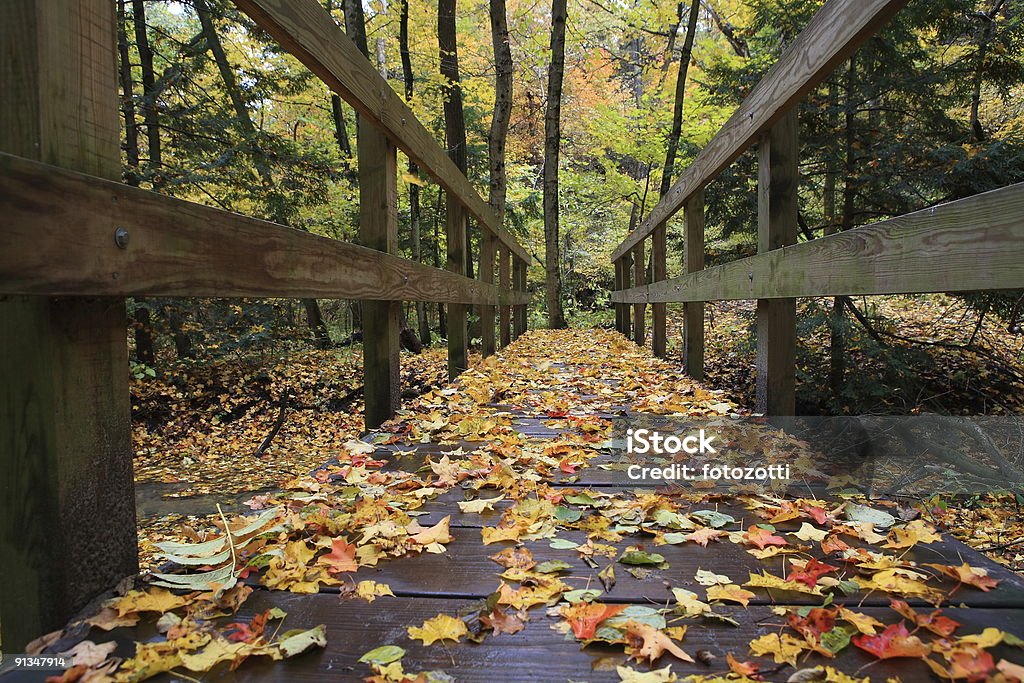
[{"x": 494, "y": 521}]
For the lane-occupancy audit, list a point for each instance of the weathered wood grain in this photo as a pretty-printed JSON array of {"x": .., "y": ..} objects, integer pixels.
[
  {"x": 971, "y": 244},
  {"x": 658, "y": 272},
  {"x": 66, "y": 247},
  {"x": 67, "y": 513},
  {"x": 378, "y": 229},
  {"x": 834, "y": 33},
  {"x": 488, "y": 245},
  {"x": 307, "y": 31},
  {"x": 640, "y": 278},
  {"x": 778, "y": 169},
  {"x": 693, "y": 315},
  {"x": 505, "y": 282},
  {"x": 519, "y": 321}
]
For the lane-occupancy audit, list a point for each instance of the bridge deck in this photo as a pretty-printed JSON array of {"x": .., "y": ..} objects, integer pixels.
[{"x": 552, "y": 418}]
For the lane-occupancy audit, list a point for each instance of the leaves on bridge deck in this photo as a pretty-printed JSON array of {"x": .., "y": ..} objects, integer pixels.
[{"x": 333, "y": 527}]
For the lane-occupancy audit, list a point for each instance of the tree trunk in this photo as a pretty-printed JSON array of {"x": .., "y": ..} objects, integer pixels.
[
  {"x": 837, "y": 320},
  {"x": 422, "y": 323},
  {"x": 738, "y": 44},
  {"x": 131, "y": 130},
  {"x": 340, "y": 132},
  {"x": 502, "y": 108},
  {"x": 442, "y": 314},
  {"x": 979, "y": 70},
  {"x": 677, "y": 109},
  {"x": 552, "y": 134},
  {"x": 149, "y": 94}
]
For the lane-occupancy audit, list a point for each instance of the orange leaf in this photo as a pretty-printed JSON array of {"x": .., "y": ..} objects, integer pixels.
[
  {"x": 965, "y": 573},
  {"x": 759, "y": 536},
  {"x": 647, "y": 643},
  {"x": 934, "y": 622},
  {"x": 746, "y": 669},
  {"x": 584, "y": 617},
  {"x": 342, "y": 557},
  {"x": 811, "y": 572}
]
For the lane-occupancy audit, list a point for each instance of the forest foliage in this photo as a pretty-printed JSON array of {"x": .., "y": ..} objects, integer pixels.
[{"x": 929, "y": 110}]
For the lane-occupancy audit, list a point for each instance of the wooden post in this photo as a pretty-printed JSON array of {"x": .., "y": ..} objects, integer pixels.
[
  {"x": 378, "y": 229},
  {"x": 67, "y": 502},
  {"x": 776, "y": 227},
  {"x": 519, "y": 312},
  {"x": 626, "y": 263},
  {"x": 455, "y": 237},
  {"x": 505, "y": 312},
  {"x": 488, "y": 244},
  {"x": 640, "y": 277},
  {"x": 618, "y": 286},
  {"x": 659, "y": 271},
  {"x": 693, "y": 255}
]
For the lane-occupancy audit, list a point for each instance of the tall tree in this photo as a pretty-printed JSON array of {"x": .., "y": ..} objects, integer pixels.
[
  {"x": 502, "y": 108},
  {"x": 677, "y": 108},
  {"x": 454, "y": 114},
  {"x": 275, "y": 200},
  {"x": 423, "y": 323},
  {"x": 552, "y": 138},
  {"x": 149, "y": 90}
]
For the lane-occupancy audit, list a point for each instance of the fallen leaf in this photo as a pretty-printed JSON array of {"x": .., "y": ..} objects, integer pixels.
[{"x": 442, "y": 627}]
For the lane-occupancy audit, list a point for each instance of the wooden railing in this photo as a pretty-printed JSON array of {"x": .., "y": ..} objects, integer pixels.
[
  {"x": 74, "y": 242},
  {"x": 971, "y": 244}
]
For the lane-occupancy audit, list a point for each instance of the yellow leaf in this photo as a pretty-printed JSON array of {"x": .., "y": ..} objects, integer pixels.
[
  {"x": 442, "y": 627},
  {"x": 371, "y": 590},
  {"x": 495, "y": 534},
  {"x": 864, "y": 623},
  {"x": 630, "y": 675},
  {"x": 784, "y": 649},
  {"x": 809, "y": 532},
  {"x": 767, "y": 580},
  {"x": 152, "y": 600},
  {"x": 731, "y": 592},
  {"x": 688, "y": 601},
  {"x": 480, "y": 504},
  {"x": 436, "y": 534}
]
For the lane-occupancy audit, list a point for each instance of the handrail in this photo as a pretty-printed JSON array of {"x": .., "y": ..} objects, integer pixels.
[
  {"x": 970, "y": 244},
  {"x": 835, "y": 32},
  {"x": 308, "y": 32},
  {"x": 141, "y": 243}
]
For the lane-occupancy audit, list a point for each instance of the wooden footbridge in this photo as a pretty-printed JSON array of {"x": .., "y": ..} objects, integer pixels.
[{"x": 75, "y": 242}]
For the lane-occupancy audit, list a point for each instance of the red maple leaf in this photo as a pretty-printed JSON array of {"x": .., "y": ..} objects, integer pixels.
[
  {"x": 894, "y": 641},
  {"x": 935, "y": 622},
  {"x": 811, "y": 572},
  {"x": 819, "y": 620}
]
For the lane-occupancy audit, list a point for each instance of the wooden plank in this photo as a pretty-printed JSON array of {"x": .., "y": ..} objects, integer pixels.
[
  {"x": 378, "y": 229},
  {"x": 693, "y": 316},
  {"x": 465, "y": 570},
  {"x": 970, "y": 244},
  {"x": 658, "y": 273},
  {"x": 640, "y": 278},
  {"x": 777, "y": 183},
  {"x": 178, "y": 248},
  {"x": 519, "y": 312},
  {"x": 835, "y": 32},
  {"x": 538, "y": 652},
  {"x": 458, "y": 333},
  {"x": 488, "y": 244},
  {"x": 616, "y": 287},
  {"x": 67, "y": 507},
  {"x": 627, "y": 264},
  {"x": 309, "y": 33},
  {"x": 505, "y": 282}
]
